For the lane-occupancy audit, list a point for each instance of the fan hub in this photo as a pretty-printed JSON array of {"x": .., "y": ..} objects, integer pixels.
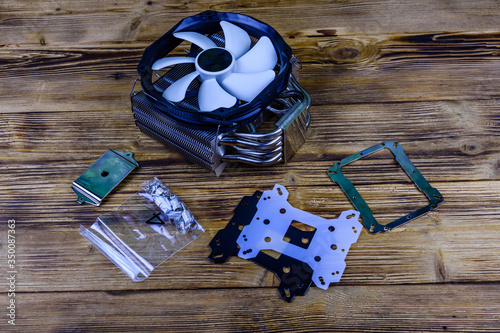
[
  {"x": 214, "y": 60},
  {"x": 214, "y": 63}
]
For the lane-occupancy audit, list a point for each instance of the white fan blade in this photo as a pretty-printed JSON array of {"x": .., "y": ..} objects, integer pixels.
[
  {"x": 177, "y": 90},
  {"x": 237, "y": 40},
  {"x": 165, "y": 62},
  {"x": 201, "y": 40},
  {"x": 211, "y": 96},
  {"x": 246, "y": 86},
  {"x": 261, "y": 57}
]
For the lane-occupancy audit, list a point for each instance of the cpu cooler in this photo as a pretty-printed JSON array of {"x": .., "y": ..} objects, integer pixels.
[{"x": 218, "y": 103}]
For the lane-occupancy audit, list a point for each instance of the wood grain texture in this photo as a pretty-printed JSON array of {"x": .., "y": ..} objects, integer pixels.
[
  {"x": 423, "y": 308},
  {"x": 447, "y": 245},
  {"x": 424, "y": 73},
  {"x": 337, "y": 70},
  {"x": 443, "y": 139},
  {"x": 94, "y": 21}
]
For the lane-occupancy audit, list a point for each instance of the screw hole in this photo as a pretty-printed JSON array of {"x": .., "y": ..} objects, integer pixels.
[
  {"x": 266, "y": 221},
  {"x": 282, "y": 210},
  {"x": 317, "y": 258},
  {"x": 331, "y": 228},
  {"x": 333, "y": 247},
  {"x": 267, "y": 239},
  {"x": 305, "y": 240},
  {"x": 104, "y": 173},
  {"x": 286, "y": 269}
]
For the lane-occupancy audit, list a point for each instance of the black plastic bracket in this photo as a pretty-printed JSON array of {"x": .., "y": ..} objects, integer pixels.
[{"x": 295, "y": 276}]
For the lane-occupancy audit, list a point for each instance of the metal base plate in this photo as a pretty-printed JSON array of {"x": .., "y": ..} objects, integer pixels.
[{"x": 103, "y": 176}]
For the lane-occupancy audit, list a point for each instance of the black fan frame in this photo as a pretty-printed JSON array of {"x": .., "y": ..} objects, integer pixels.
[{"x": 208, "y": 22}]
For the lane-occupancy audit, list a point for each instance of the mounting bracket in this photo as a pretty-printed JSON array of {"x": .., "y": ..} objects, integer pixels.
[
  {"x": 266, "y": 221},
  {"x": 103, "y": 176},
  {"x": 370, "y": 223}
]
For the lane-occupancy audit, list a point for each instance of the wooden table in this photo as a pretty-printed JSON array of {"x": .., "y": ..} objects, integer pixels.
[{"x": 425, "y": 73}]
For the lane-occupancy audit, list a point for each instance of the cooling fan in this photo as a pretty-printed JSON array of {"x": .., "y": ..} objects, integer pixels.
[{"x": 212, "y": 104}]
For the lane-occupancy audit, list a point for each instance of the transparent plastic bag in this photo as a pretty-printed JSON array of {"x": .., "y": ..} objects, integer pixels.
[{"x": 147, "y": 229}]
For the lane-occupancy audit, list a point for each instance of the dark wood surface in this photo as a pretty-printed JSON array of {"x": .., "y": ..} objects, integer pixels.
[{"x": 425, "y": 73}]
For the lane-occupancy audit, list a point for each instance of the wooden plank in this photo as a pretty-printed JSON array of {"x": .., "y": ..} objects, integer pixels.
[
  {"x": 424, "y": 308},
  {"x": 458, "y": 242},
  {"x": 424, "y": 73},
  {"x": 62, "y": 80},
  {"x": 84, "y": 22},
  {"x": 438, "y": 137},
  {"x": 337, "y": 70}
]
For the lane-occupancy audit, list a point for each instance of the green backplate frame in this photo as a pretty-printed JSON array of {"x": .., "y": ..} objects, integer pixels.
[{"x": 370, "y": 223}]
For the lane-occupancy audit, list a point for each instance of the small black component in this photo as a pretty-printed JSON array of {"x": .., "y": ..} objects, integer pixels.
[
  {"x": 223, "y": 245},
  {"x": 155, "y": 219},
  {"x": 295, "y": 275}
]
